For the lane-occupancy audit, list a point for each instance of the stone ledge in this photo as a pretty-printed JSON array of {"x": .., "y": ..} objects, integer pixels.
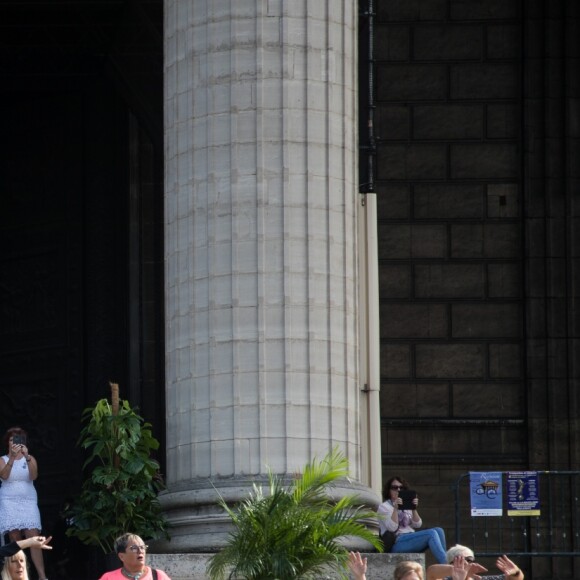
[{"x": 193, "y": 566}]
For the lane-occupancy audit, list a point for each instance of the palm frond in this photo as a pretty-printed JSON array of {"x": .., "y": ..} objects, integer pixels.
[{"x": 294, "y": 531}]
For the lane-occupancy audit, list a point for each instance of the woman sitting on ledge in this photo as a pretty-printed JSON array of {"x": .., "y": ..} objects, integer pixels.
[{"x": 405, "y": 522}]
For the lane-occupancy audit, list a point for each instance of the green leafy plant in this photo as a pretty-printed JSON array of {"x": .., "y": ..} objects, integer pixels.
[
  {"x": 120, "y": 491},
  {"x": 295, "y": 531}
]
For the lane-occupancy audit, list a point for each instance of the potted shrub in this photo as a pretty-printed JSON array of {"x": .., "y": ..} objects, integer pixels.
[
  {"x": 294, "y": 531},
  {"x": 119, "y": 492}
]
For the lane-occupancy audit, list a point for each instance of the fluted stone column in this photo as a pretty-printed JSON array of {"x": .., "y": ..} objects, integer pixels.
[{"x": 261, "y": 249}]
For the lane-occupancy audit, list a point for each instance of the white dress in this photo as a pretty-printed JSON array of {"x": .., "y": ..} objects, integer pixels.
[{"x": 18, "y": 499}]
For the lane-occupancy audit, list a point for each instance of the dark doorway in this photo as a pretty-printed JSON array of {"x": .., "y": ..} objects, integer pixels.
[{"x": 81, "y": 223}]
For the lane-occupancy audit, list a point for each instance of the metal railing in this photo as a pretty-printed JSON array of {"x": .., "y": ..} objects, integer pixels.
[{"x": 555, "y": 532}]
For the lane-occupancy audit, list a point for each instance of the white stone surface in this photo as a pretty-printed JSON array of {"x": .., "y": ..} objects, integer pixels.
[
  {"x": 193, "y": 566},
  {"x": 261, "y": 244}
]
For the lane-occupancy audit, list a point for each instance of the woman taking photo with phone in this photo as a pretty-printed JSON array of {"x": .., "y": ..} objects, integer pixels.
[
  {"x": 404, "y": 521},
  {"x": 19, "y": 514}
]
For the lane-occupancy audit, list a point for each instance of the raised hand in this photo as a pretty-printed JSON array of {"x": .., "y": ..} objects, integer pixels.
[
  {"x": 36, "y": 542},
  {"x": 507, "y": 566},
  {"x": 460, "y": 568},
  {"x": 357, "y": 565}
]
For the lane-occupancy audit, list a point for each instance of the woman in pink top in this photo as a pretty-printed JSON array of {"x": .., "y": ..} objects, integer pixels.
[{"x": 132, "y": 552}]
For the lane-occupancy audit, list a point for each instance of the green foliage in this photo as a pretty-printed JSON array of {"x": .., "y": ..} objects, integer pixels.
[
  {"x": 294, "y": 532},
  {"x": 120, "y": 492}
]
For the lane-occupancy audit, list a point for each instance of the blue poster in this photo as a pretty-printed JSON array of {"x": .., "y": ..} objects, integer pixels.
[
  {"x": 486, "y": 493},
  {"x": 523, "y": 493}
]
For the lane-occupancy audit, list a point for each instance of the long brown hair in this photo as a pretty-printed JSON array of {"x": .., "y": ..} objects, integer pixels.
[{"x": 387, "y": 487}]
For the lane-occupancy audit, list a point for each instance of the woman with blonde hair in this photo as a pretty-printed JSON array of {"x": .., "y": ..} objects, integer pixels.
[
  {"x": 15, "y": 567},
  {"x": 13, "y": 560},
  {"x": 408, "y": 571}
]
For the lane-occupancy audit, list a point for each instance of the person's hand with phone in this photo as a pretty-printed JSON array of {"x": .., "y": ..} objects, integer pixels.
[
  {"x": 24, "y": 451},
  {"x": 416, "y": 502},
  {"x": 397, "y": 502},
  {"x": 17, "y": 445}
]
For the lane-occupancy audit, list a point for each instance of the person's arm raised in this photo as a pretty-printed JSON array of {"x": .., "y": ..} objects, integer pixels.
[
  {"x": 509, "y": 568},
  {"x": 35, "y": 542},
  {"x": 437, "y": 571},
  {"x": 460, "y": 568},
  {"x": 357, "y": 565}
]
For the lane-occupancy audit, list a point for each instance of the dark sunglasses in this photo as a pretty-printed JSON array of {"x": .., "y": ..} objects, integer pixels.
[{"x": 396, "y": 487}]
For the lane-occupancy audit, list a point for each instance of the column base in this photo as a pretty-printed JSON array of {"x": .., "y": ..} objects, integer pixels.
[{"x": 198, "y": 524}]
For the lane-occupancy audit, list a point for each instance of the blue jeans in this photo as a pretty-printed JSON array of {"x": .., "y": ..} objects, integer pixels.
[{"x": 419, "y": 541}]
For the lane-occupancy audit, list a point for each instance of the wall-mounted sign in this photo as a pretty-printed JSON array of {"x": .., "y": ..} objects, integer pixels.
[
  {"x": 523, "y": 493},
  {"x": 486, "y": 493}
]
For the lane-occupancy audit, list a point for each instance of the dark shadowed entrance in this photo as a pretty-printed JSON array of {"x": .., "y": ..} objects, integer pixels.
[{"x": 81, "y": 215}]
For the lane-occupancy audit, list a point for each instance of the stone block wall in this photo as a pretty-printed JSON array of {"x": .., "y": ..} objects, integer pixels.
[
  {"x": 479, "y": 214},
  {"x": 449, "y": 178}
]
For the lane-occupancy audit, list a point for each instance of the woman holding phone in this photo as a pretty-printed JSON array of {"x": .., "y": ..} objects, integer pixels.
[
  {"x": 19, "y": 514},
  {"x": 404, "y": 521}
]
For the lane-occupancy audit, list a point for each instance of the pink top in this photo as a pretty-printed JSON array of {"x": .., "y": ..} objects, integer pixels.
[{"x": 118, "y": 575}]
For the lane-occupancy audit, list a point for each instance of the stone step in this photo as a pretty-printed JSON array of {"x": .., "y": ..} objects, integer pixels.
[{"x": 193, "y": 566}]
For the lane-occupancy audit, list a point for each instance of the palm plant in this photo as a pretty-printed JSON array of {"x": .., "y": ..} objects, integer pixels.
[{"x": 295, "y": 531}]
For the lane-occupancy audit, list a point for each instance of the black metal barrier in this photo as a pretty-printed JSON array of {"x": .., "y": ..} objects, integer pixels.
[{"x": 555, "y": 532}]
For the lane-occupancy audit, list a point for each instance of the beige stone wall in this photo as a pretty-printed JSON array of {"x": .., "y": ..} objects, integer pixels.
[
  {"x": 193, "y": 566},
  {"x": 261, "y": 247}
]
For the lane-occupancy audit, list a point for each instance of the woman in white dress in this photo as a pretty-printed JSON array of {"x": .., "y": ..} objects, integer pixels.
[{"x": 19, "y": 514}]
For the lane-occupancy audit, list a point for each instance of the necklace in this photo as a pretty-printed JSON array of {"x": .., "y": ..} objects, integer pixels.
[{"x": 128, "y": 574}]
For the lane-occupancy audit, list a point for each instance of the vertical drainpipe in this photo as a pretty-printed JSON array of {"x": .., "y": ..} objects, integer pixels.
[{"x": 369, "y": 294}]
